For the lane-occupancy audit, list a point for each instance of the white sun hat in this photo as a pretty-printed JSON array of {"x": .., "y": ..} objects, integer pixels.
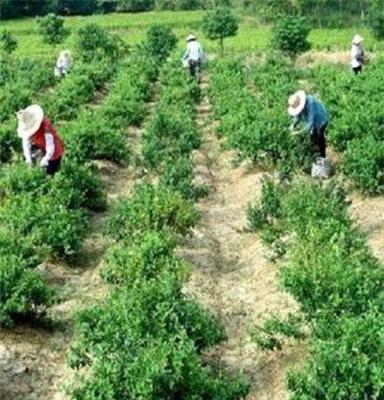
[
  {"x": 29, "y": 120},
  {"x": 357, "y": 39},
  {"x": 191, "y": 37},
  {"x": 65, "y": 53},
  {"x": 296, "y": 103}
]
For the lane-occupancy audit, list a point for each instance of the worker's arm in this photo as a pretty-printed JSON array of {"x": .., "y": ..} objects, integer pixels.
[
  {"x": 186, "y": 55},
  {"x": 49, "y": 149},
  {"x": 27, "y": 150},
  {"x": 310, "y": 116}
]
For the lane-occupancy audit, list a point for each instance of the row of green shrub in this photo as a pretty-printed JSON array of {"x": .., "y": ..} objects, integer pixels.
[
  {"x": 100, "y": 133},
  {"x": 94, "y": 66},
  {"x": 20, "y": 82},
  {"x": 256, "y": 125},
  {"x": 357, "y": 121},
  {"x": 145, "y": 339},
  {"x": 172, "y": 134},
  {"x": 63, "y": 104},
  {"x": 338, "y": 283},
  {"x": 44, "y": 217}
]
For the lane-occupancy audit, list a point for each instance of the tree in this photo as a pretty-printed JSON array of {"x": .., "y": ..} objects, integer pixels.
[
  {"x": 51, "y": 27},
  {"x": 8, "y": 43},
  {"x": 376, "y": 20},
  {"x": 219, "y": 24},
  {"x": 135, "y": 5},
  {"x": 290, "y": 35},
  {"x": 160, "y": 41}
]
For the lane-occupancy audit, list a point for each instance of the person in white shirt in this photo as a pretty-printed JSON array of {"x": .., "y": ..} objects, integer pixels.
[
  {"x": 357, "y": 54},
  {"x": 193, "y": 55},
  {"x": 63, "y": 64}
]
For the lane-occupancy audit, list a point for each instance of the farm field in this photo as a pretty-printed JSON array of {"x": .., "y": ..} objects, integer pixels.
[
  {"x": 252, "y": 35},
  {"x": 183, "y": 251}
]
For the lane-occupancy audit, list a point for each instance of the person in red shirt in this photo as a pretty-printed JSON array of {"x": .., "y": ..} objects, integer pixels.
[{"x": 36, "y": 130}]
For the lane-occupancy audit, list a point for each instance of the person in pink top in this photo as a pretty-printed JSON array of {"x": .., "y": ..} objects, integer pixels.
[{"x": 36, "y": 130}]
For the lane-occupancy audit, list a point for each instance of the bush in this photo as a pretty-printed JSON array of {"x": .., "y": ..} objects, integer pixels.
[
  {"x": 219, "y": 24},
  {"x": 151, "y": 208},
  {"x": 93, "y": 42},
  {"x": 346, "y": 364},
  {"x": 171, "y": 134},
  {"x": 376, "y": 23},
  {"x": 178, "y": 176},
  {"x": 140, "y": 327},
  {"x": 78, "y": 186},
  {"x": 92, "y": 138},
  {"x": 147, "y": 259},
  {"x": 71, "y": 93},
  {"x": 332, "y": 274},
  {"x": 134, "y": 5},
  {"x": 22, "y": 291},
  {"x": 44, "y": 223},
  {"x": 51, "y": 28},
  {"x": 179, "y": 4},
  {"x": 199, "y": 324},
  {"x": 290, "y": 35},
  {"x": 9, "y": 142},
  {"x": 18, "y": 178},
  {"x": 160, "y": 41},
  {"x": 363, "y": 163},
  {"x": 74, "y": 7},
  {"x": 8, "y": 42}
]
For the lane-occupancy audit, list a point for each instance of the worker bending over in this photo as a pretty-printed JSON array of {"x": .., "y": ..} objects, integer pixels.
[{"x": 36, "y": 130}]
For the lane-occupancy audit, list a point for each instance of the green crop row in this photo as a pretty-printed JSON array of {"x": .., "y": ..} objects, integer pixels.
[
  {"x": 145, "y": 339},
  {"x": 357, "y": 117},
  {"x": 329, "y": 269},
  {"x": 20, "y": 83},
  {"x": 172, "y": 133},
  {"x": 41, "y": 217},
  {"x": 100, "y": 133},
  {"x": 63, "y": 104},
  {"x": 256, "y": 124}
]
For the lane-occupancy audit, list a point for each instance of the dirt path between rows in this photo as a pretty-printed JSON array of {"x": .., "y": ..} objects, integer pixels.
[
  {"x": 33, "y": 360},
  {"x": 368, "y": 212},
  {"x": 229, "y": 272}
]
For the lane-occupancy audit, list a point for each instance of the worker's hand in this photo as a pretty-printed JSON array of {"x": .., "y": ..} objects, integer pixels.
[
  {"x": 293, "y": 131},
  {"x": 44, "y": 162}
]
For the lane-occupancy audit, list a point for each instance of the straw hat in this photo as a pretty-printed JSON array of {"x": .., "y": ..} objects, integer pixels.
[
  {"x": 296, "y": 103},
  {"x": 29, "y": 120},
  {"x": 65, "y": 54},
  {"x": 191, "y": 37},
  {"x": 357, "y": 39}
]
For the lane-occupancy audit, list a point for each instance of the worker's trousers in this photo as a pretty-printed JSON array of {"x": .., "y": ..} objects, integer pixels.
[{"x": 318, "y": 140}]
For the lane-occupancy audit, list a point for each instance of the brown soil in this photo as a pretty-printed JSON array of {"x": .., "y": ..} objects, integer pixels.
[
  {"x": 32, "y": 359},
  {"x": 229, "y": 272},
  {"x": 369, "y": 214}
]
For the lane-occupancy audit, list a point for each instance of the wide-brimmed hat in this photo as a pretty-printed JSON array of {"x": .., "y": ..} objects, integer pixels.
[
  {"x": 29, "y": 120},
  {"x": 191, "y": 37},
  {"x": 296, "y": 103},
  {"x": 357, "y": 39},
  {"x": 65, "y": 53}
]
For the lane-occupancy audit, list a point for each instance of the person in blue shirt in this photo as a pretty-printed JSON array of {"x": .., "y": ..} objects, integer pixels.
[{"x": 306, "y": 108}]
